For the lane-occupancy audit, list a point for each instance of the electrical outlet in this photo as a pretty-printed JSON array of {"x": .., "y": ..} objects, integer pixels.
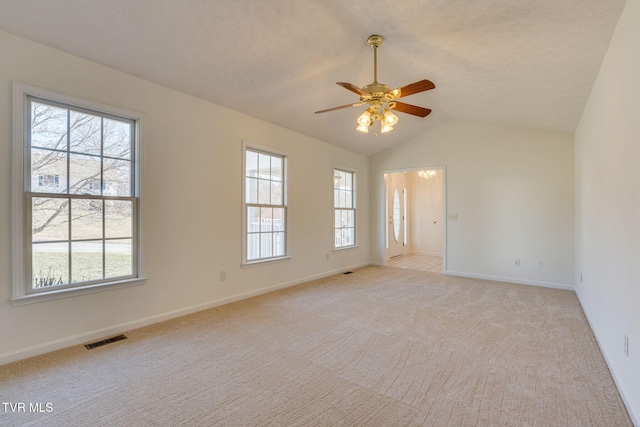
[
  {"x": 516, "y": 262},
  {"x": 223, "y": 275},
  {"x": 539, "y": 264},
  {"x": 626, "y": 345}
]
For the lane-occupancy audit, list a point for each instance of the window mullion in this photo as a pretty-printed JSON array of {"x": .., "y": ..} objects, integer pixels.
[{"x": 70, "y": 214}]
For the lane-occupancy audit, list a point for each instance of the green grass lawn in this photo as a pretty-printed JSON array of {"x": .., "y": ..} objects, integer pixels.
[{"x": 52, "y": 268}]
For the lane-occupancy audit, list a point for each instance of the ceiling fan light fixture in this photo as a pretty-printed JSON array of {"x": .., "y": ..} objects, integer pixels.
[
  {"x": 390, "y": 119},
  {"x": 363, "y": 128},
  {"x": 365, "y": 118},
  {"x": 386, "y": 128}
]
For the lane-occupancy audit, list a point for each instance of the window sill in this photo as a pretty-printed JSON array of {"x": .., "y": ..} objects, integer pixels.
[
  {"x": 70, "y": 292},
  {"x": 345, "y": 248},
  {"x": 251, "y": 264}
]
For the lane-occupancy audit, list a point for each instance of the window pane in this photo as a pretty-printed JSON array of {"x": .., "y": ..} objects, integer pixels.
[
  {"x": 266, "y": 219},
  {"x": 48, "y": 126},
  {"x": 118, "y": 217},
  {"x": 117, "y": 138},
  {"x": 86, "y": 219},
  {"x": 339, "y": 198},
  {"x": 251, "y": 164},
  {"x": 50, "y": 264},
  {"x": 276, "y": 193},
  {"x": 278, "y": 219},
  {"x": 338, "y": 238},
  {"x": 117, "y": 178},
  {"x": 48, "y": 171},
  {"x": 350, "y": 236},
  {"x": 264, "y": 166},
  {"x": 266, "y": 245},
  {"x": 83, "y": 173},
  {"x": 264, "y": 192},
  {"x": 49, "y": 219},
  {"x": 118, "y": 258},
  {"x": 278, "y": 244},
  {"x": 86, "y": 261},
  {"x": 349, "y": 219},
  {"x": 348, "y": 181},
  {"x": 251, "y": 189},
  {"x": 253, "y": 219},
  {"x": 348, "y": 199},
  {"x": 337, "y": 218},
  {"x": 85, "y": 133},
  {"x": 337, "y": 179},
  {"x": 253, "y": 246},
  {"x": 344, "y": 218},
  {"x": 276, "y": 169}
]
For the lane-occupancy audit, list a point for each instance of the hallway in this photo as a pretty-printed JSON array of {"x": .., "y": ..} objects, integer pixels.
[{"x": 417, "y": 262}]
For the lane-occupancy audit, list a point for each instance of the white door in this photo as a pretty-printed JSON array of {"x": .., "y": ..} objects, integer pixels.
[{"x": 396, "y": 215}]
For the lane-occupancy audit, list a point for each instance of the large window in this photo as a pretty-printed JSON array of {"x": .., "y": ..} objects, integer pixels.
[
  {"x": 344, "y": 208},
  {"x": 265, "y": 210},
  {"x": 79, "y": 195}
]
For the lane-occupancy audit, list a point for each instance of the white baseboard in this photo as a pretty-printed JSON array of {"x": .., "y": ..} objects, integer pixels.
[
  {"x": 127, "y": 326},
  {"x": 627, "y": 402},
  {"x": 512, "y": 280},
  {"x": 425, "y": 253}
]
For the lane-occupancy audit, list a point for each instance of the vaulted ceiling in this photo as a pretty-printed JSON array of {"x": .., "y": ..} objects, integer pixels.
[{"x": 525, "y": 63}]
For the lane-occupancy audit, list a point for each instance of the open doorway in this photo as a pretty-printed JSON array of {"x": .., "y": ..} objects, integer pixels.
[{"x": 415, "y": 232}]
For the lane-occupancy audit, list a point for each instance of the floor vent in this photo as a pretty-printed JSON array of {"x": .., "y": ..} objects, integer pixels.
[
  {"x": 104, "y": 342},
  {"x": 348, "y": 272}
]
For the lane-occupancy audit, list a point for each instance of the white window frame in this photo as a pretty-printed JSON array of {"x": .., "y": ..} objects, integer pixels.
[
  {"x": 22, "y": 291},
  {"x": 246, "y": 145},
  {"x": 353, "y": 172}
]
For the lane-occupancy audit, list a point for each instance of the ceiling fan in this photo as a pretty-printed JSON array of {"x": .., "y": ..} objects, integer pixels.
[{"x": 381, "y": 99}]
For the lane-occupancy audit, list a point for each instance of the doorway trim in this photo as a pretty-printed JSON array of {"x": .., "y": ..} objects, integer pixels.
[{"x": 383, "y": 225}]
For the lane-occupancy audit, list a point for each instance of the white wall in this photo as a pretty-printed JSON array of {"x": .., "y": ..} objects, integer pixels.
[
  {"x": 425, "y": 214},
  {"x": 607, "y": 153},
  {"x": 512, "y": 190},
  {"x": 193, "y": 205}
]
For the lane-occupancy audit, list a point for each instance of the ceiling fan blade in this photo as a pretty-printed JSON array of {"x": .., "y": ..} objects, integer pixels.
[
  {"x": 411, "y": 109},
  {"x": 353, "y": 88},
  {"x": 416, "y": 87},
  {"x": 357, "y": 104}
]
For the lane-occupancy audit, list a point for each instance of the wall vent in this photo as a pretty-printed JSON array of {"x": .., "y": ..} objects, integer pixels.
[
  {"x": 104, "y": 342},
  {"x": 348, "y": 272}
]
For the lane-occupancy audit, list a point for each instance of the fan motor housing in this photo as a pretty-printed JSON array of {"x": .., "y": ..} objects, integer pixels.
[{"x": 376, "y": 89}]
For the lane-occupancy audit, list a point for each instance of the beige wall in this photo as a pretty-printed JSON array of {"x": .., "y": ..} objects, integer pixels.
[
  {"x": 512, "y": 190},
  {"x": 607, "y": 220},
  {"x": 193, "y": 196}
]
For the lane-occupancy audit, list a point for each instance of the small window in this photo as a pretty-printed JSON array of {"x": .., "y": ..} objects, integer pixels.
[
  {"x": 80, "y": 208},
  {"x": 51, "y": 181},
  {"x": 344, "y": 208},
  {"x": 265, "y": 210}
]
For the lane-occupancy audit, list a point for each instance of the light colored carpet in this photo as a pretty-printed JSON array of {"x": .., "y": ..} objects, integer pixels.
[{"x": 379, "y": 347}]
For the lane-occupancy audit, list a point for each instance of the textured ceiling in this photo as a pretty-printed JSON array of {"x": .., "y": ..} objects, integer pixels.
[{"x": 517, "y": 62}]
